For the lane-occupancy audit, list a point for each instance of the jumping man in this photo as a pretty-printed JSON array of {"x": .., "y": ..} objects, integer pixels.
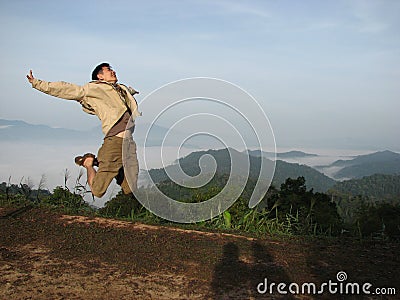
[{"x": 114, "y": 104}]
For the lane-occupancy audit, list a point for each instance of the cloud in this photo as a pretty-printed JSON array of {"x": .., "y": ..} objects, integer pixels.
[
  {"x": 375, "y": 16},
  {"x": 242, "y": 8}
]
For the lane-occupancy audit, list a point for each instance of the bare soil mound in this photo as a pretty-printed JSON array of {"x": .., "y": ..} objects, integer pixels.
[{"x": 47, "y": 255}]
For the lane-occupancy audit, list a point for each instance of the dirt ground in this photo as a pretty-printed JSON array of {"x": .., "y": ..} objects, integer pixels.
[{"x": 47, "y": 255}]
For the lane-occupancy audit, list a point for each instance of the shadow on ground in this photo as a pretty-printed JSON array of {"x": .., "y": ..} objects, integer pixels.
[{"x": 237, "y": 277}]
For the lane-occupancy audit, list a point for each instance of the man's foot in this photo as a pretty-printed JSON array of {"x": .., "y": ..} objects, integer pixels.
[{"x": 87, "y": 160}]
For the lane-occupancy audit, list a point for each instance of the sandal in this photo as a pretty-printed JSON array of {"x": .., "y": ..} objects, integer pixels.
[{"x": 79, "y": 160}]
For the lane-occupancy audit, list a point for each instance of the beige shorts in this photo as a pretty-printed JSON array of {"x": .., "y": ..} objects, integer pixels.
[{"x": 111, "y": 165}]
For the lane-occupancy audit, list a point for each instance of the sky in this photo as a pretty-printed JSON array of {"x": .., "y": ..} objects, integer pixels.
[{"x": 326, "y": 73}]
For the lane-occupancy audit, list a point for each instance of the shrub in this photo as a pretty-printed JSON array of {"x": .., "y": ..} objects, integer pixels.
[{"x": 121, "y": 206}]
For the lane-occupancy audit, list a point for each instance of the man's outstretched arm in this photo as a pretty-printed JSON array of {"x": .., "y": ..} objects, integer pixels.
[{"x": 58, "y": 89}]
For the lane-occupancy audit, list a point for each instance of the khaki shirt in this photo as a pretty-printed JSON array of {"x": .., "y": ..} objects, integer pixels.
[{"x": 99, "y": 98}]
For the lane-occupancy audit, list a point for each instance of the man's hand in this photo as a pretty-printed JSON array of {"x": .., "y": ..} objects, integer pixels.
[{"x": 30, "y": 76}]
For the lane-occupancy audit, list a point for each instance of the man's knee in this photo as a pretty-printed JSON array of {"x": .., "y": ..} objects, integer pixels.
[{"x": 99, "y": 186}]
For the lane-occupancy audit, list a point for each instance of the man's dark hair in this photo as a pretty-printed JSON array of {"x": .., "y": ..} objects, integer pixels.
[{"x": 98, "y": 69}]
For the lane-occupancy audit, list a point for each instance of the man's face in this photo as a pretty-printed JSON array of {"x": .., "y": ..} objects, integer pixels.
[{"x": 107, "y": 74}]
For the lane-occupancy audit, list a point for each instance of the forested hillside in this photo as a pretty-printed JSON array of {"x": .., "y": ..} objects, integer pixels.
[{"x": 378, "y": 187}]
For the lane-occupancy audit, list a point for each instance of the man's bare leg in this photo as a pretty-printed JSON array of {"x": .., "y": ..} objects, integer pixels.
[{"x": 91, "y": 172}]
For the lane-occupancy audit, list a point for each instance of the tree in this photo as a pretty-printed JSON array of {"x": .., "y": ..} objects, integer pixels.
[
  {"x": 307, "y": 212},
  {"x": 379, "y": 220}
]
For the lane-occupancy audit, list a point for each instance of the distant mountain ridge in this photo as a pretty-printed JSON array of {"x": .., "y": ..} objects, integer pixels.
[
  {"x": 14, "y": 130},
  {"x": 289, "y": 154},
  {"x": 382, "y": 162},
  {"x": 190, "y": 165}
]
